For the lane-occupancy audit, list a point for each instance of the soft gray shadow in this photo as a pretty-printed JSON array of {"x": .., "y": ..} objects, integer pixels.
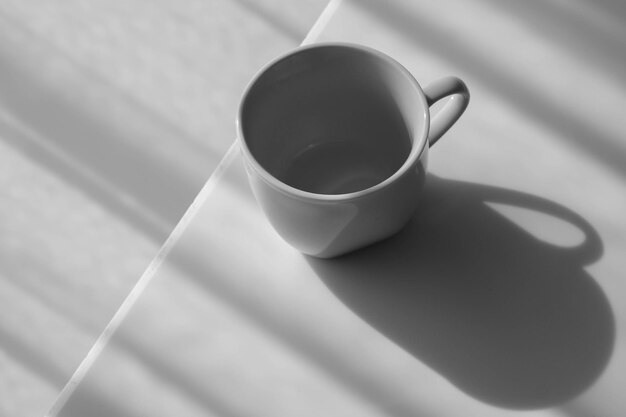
[
  {"x": 509, "y": 319},
  {"x": 591, "y": 43},
  {"x": 615, "y": 8},
  {"x": 285, "y": 27},
  {"x": 87, "y": 400},
  {"x": 466, "y": 58},
  {"x": 118, "y": 167}
]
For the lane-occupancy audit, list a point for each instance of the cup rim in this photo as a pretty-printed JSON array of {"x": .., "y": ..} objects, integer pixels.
[{"x": 417, "y": 147}]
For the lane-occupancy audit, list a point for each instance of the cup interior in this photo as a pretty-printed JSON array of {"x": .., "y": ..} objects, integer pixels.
[{"x": 333, "y": 119}]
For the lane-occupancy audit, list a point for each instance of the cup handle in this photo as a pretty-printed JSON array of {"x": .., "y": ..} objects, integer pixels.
[{"x": 454, "y": 108}]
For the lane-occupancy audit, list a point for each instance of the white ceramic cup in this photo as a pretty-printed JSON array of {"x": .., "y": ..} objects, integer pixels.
[{"x": 335, "y": 141}]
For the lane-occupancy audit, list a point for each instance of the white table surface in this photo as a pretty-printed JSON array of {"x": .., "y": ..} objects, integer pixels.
[{"x": 504, "y": 296}]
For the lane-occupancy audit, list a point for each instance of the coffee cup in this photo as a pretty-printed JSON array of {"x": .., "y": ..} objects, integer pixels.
[{"x": 335, "y": 141}]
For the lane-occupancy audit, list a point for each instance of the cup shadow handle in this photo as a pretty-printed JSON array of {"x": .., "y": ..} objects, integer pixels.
[
  {"x": 588, "y": 251},
  {"x": 453, "y": 109}
]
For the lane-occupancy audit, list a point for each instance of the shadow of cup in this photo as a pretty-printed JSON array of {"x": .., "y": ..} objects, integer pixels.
[{"x": 507, "y": 318}]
